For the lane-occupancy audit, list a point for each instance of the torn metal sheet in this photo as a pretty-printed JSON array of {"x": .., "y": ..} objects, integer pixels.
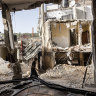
[{"x": 32, "y": 50}]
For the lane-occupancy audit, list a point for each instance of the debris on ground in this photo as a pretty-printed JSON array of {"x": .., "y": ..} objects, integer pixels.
[
  {"x": 77, "y": 48},
  {"x": 4, "y": 67},
  {"x": 68, "y": 75}
]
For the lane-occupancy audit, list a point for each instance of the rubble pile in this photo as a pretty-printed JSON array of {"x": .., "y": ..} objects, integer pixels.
[
  {"x": 68, "y": 75},
  {"x": 6, "y": 70},
  {"x": 4, "y": 67}
]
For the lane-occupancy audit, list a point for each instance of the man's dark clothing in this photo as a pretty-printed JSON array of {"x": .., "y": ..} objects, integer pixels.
[{"x": 33, "y": 69}]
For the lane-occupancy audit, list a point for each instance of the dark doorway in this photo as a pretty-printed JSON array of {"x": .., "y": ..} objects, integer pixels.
[{"x": 85, "y": 37}]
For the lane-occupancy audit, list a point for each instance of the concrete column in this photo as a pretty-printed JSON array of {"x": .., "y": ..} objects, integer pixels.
[
  {"x": 9, "y": 42},
  {"x": 74, "y": 13},
  {"x": 80, "y": 42},
  {"x": 94, "y": 37},
  {"x": 79, "y": 34},
  {"x": 42, "y": 30},
  {"x": 8, "y": 31},
  {"x": 90, "y": 32}
]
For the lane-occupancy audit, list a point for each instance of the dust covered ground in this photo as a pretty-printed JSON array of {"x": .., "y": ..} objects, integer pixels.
[
  {"x": 6, "y": 73},
  {"x": 63, "y": 74},
  {"x": 68, "y": 75}
]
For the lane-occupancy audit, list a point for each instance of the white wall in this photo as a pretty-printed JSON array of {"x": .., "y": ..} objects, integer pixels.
[
  {"x": 58, "y": 14},
  {"x": 69, "y": 13},
  {"x": 84, "y": 13}
]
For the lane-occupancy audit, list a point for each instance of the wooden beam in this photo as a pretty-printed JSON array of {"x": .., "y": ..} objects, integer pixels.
[{"x": 94, "y": 37}]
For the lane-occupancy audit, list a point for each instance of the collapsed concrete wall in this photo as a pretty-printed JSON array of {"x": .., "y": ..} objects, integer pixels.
[
  {"x": 62, "y": 35},
  {"x": 79, "y": 12},
  {"x": 66, "y": 34},
  {"x": 60, "y": 14}
]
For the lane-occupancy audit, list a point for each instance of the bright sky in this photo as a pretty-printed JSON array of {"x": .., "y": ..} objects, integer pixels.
[{"x": 23, "y": 21}]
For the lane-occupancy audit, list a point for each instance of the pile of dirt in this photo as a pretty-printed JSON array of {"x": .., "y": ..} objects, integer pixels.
[{"x": 68, "y": 75}]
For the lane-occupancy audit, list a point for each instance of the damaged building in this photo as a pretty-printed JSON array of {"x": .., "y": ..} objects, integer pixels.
[
  {"x": 66, "y": 35},
  {"x": 61, "y": 58}
]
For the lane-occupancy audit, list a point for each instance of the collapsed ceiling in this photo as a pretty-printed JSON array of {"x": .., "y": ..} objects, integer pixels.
[{"x": 26, "y": 4}]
